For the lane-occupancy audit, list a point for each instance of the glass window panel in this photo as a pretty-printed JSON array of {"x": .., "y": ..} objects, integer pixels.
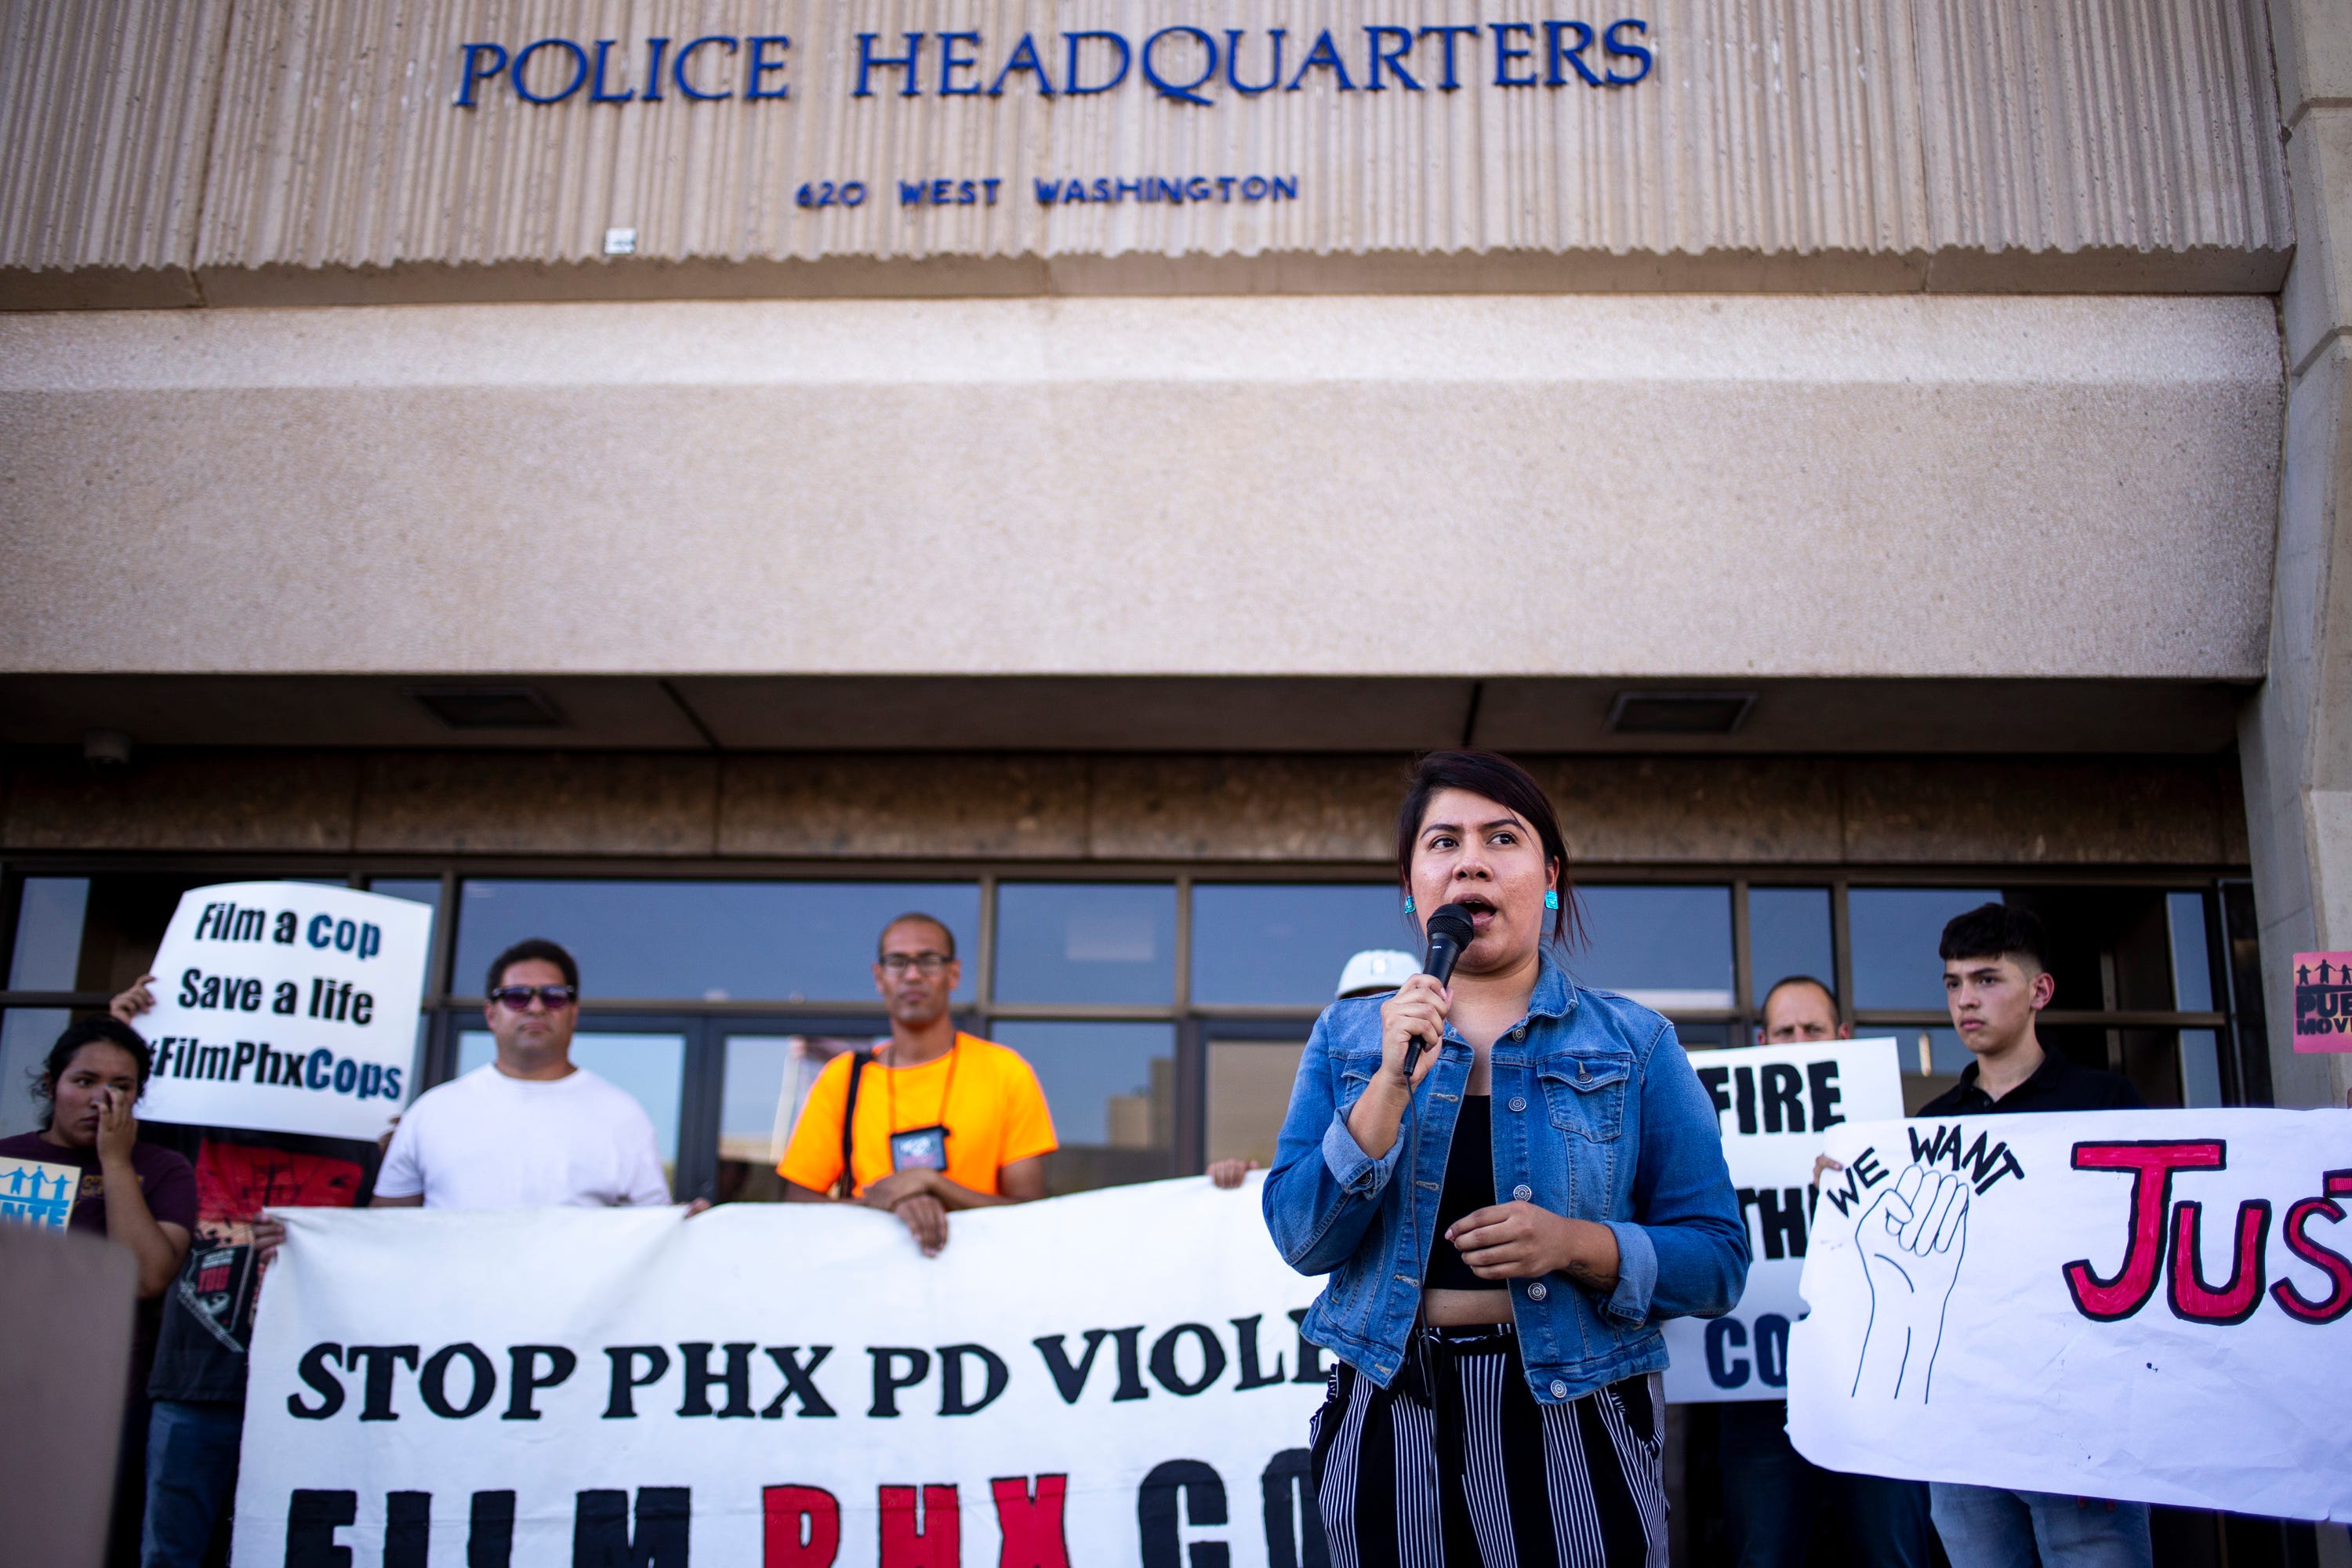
[
  {"x": 1895, "y": 932},
  {"x": 1087, "y": 941},
  {"x": 25, "y": 1035},
  {"x": 650, "y": 1069},
  {"x": 1249, "y": 1094},
  {"x": 1112, "y": 1090},
  {"x": 2200, "y": 1069},
  {"x": 715, "y": 942},
  {"x": 768, "y": 1081},
  {"x": 1665, "y": 947},
  {"x": 49, "y": 934},
  {"x": 1264, "y": 943},
  {"x": 2192, "y": 967},
  {"x": 416, "y": 891},
  {"x": 1937, "y": 1051},
  {"x": 1789, "y": 933},
  {"x": 425, "y": 891}
]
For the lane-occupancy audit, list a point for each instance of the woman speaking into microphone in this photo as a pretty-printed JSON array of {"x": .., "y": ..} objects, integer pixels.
[{"x": 1507, "y": 1210}]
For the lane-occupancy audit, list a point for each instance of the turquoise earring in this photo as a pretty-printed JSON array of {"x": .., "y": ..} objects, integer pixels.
[
  {"x": 1407, "y": 903},
  {"x": 1551, "y": 898}
]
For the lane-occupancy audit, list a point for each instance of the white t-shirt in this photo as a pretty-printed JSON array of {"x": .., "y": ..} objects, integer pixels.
[{"x": 485, "y": 1140}]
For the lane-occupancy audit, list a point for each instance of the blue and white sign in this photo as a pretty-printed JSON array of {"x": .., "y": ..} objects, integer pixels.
[
  {"x": 1774, "y": 1103},
  {"x": 287, "y": 1007},
  {"x": 35, "y": 1192}
]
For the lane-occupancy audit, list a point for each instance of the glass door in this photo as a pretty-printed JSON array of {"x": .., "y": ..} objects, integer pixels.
[
  {"x": 766, "y": 1066},
  {"x": 1251, "y": 1067}
]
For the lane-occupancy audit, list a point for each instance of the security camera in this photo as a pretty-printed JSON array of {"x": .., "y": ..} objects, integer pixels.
[{"x": 106, "y": 749}]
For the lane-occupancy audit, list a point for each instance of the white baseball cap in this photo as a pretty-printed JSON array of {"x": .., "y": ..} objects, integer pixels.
[{"x": 1376, "y": 970}]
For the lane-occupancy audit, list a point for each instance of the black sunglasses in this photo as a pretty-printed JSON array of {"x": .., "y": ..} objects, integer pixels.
[{"x": 518, "y": 997}]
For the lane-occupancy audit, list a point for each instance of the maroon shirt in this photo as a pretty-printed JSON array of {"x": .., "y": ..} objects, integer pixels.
[{"x": 169, "y": 1183}]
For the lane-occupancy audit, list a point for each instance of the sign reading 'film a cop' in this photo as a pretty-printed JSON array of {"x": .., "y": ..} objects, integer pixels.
[{"x": 286, "y": 1007}]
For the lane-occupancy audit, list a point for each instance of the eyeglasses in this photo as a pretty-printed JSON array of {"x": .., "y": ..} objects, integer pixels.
[
  {"x": 897, "y": 964},
  {"x": 518, "y": 997}
]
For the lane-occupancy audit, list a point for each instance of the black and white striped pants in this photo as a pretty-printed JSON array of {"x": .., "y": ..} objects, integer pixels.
[{"x": 1456, "y": 1464}]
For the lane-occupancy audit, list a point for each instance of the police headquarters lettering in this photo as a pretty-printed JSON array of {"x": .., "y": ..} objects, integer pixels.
[
  {"x": 1773, "y": 1104},
  {"x": 2150, "y": 1305},
  {"x": 786, "y": 1384},
  {"x": 287, "y": 1007},
  {"x": 1182, "y": 64}
]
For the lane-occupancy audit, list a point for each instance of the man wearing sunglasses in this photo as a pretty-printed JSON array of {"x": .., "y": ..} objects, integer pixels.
[
  {"x": 529, "y": 1130},
  {"x": 935, "y": 1120}
]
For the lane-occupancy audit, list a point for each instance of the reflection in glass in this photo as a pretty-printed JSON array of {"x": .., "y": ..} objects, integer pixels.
[
  {"x": 2192, "y": 965},
  {"x": 649, "y": 1068},
  {"x": 717, "y": 941},
  {"x": 1895, "y": 932},
  {"x": 1270, "y": 942},
  {"x": 416, "y": 891},
  {"x": 768, "y": 1080},
  {"x": 1789, "y": 934},
  {"x": 1665, "y": 947},
  {"x": 1249, "y": 1093},
  {"x": 2200, "y": 1069},
  {"x": 25, "y": 1035},
  {"x": 1112, "y": 1090},
  {"x": 49, "y": 934},
  {"x": 1087, "y": 941}
]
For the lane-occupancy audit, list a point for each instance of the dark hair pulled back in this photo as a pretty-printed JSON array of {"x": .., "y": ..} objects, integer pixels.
[
  {"x": 107, "y": 1031},
  {"x": 1509, "y": 785}
]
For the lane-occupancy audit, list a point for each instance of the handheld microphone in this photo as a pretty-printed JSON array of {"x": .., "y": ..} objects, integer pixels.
[{"x": 1449, "y": 932}]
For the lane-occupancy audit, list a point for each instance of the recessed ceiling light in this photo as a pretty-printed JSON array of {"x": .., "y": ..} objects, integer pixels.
[
  {"x": 490, "y": 707},
  {"x": 1678, "y": 712}
]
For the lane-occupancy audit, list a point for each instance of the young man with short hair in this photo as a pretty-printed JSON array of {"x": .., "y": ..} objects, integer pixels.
[
  {"x": 1770, "y": 1490},
  {"x": 529, "y": 1128},
  {"x": 937, "y": 1120},
  {"x": 1996, "y": 979}
]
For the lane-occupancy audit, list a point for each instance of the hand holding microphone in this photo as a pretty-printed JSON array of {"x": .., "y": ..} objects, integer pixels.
[{"x": 1413, "y": 1020}]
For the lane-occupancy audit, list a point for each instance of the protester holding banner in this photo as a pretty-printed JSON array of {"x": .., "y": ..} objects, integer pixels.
[
  {"x": 949, "y": 1122},
  {"x": 197, "y": 1387},
  {"x": 1996, "y": 979},
  {"x": 529, "y": 1128},
  {"x": 1499, "y": 1402},
  {"x": 1770, "y": 1491},
  {"x": 138, "y": 1195}
]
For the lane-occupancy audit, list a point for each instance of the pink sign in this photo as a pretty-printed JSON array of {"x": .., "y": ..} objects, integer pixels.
[{"x": 2322, "y": 1001}]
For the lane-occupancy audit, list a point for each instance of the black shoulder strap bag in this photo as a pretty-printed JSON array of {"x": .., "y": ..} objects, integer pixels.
[{"x": 847, "y": 1185}]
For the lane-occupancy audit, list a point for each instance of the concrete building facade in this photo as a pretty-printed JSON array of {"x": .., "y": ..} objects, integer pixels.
[{"x": 1059, "y": 461}]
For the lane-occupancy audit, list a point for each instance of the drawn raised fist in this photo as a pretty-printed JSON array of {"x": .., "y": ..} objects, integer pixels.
[{"x": 1911, "y": 1240}]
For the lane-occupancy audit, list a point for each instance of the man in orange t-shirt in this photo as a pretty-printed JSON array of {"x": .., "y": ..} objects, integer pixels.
[{"x": 943, "y": 1120}]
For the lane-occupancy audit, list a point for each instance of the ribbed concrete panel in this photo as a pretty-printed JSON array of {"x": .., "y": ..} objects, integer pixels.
[
  {"x": 2146, "y": 126},
  {"x": 106, "y": 112},
  {"x": 1793, "y": 143}
]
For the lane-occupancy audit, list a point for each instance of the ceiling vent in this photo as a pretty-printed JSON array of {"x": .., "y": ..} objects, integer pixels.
[
  {"x": 1679, "y": 712},
  {"x": 490, "y": 707}
]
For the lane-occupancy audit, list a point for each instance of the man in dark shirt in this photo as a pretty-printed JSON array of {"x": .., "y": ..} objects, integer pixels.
[{"x": 1996, "y": 979}]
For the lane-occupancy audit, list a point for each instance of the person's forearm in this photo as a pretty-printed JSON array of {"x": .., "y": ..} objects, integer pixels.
[
  {"x": 1375, "y": 1119},
  {"x": 130, "y": 1223},
  {"x": 956, "y": 1195},
  {"x": 1593, "y": 1260}
]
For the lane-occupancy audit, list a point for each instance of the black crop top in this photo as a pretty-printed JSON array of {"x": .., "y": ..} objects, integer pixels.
[{"x": 1469, "y": 1187}]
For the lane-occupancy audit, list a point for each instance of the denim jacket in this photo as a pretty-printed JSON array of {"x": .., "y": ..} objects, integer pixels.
[{"x": 1597, "y": 1115}]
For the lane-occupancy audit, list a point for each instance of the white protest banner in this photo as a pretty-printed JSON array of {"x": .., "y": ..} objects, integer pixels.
[
  {"x": 1774, "y": 1103},
  {"x": 286, "y": 1007},
  {"x": 2147, "y": 1305},
  {"x": 1106, "y": 1378}
]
